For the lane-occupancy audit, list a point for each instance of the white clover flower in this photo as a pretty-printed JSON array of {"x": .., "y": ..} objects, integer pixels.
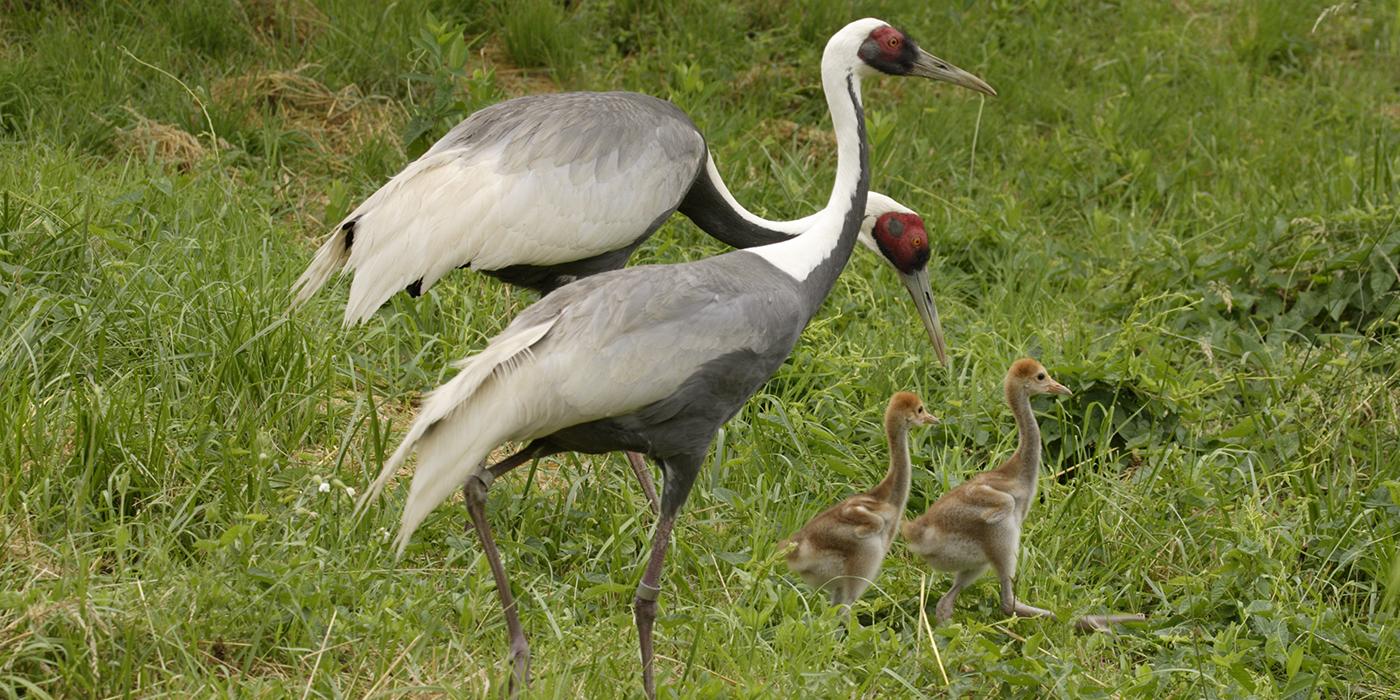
[
  {"x": 325, "y": 487},
  {"x": 350, "y": 491}
]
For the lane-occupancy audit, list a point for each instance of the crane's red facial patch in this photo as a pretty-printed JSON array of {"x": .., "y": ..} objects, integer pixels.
[
  {"x": 902, "y": 239},
  {"x": 889, "y": 50},
  {"x": 890, "y": 41}
]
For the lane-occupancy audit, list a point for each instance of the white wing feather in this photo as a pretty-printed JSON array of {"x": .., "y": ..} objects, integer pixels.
[
  {"x": 444, "y": 212},
  {"x": 537, "y": 181},
  {"x": 505, "y": 353}
]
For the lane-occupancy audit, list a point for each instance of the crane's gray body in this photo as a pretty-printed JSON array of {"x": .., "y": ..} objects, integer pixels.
[
  {"x": 597, "y": 134},
  {"x": 761, "y": 309},
  {"x": 602, "y": 135},
  {"x": 538, "y": 191}
]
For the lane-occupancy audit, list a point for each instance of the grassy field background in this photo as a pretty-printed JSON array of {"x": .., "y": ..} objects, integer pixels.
[{"x": 1187, "y": 210}]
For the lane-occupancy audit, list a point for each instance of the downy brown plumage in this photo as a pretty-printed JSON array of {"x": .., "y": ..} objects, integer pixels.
[
  {"x": 841, "y": 549},
  {"x": 977, "y": 525}
]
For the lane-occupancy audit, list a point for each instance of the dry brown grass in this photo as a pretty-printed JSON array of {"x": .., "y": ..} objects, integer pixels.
[
  {"x": 337, "y": 121},
  {"x": 297, "y": 21},
  {"x": 21, "y": 545},
  {"x": 806, "y": 137},
  {"x": 513, "y": 80},
  {"x": 166, "y": 143}
]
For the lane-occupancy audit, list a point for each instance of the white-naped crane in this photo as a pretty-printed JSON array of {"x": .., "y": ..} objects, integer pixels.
[
  {"x": 650, "y": 359},
  {"x": 542, "y": 190}
]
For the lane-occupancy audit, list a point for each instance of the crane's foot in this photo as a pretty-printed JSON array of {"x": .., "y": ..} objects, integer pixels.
[
  {"x": 1023, "y": 610},
  {"x": 943, "y": 612},
  {"x": 1105, "y": 623}
]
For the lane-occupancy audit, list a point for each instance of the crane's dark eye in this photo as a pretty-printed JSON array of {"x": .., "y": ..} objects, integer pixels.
[
  {"x": 1040, "y": 376},
  {"x": 892, "y": 42}
]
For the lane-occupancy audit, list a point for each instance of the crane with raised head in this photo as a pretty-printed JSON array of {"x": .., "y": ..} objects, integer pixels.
[{"x": 542, "y": 190}]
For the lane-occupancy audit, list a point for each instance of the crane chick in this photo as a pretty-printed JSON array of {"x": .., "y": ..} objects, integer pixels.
[
  {"x": 978, "y": 524},
  {"x": 841, "y": 549}
]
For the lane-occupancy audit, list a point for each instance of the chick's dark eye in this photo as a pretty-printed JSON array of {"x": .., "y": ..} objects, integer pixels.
[
  {"x": 1040, "y": 376},
  {"x": 919, "y": 409}
]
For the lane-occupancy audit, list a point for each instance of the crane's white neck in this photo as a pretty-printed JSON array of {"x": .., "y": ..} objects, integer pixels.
[
  {"x": 728, "y": 220},
  {"x": 801, "y": 255},
  {"x": 785, "y": 228}
]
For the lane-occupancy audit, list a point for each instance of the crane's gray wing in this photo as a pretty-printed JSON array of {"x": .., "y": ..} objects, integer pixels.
[
  {"x": 538, "y": 180},
  {"x": 625, "y": 339}
]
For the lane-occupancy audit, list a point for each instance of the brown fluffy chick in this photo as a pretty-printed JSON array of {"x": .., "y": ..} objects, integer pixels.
[
  {"x": 841, "y": 549},
  {"x": 978, "y": 524}
]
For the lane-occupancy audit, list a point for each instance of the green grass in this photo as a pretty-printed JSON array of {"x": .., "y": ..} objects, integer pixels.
[{"x": 1187, "y": 210}]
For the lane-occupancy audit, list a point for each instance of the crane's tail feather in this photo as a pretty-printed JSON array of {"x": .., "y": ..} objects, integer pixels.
[
  {"x": 330, "y": 258},
  {"x": 454, "y": 431}
]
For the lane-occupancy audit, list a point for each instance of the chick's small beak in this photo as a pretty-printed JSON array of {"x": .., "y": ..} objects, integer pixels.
[
  {"x": 928, "y": 419},
  {"x": 1058, "y": 388},
  {"x": 930, "y": 66},
  {"x": 917, "y": 284}
]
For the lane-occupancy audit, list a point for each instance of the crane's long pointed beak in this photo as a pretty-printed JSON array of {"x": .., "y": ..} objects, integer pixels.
[
  {"x": 917, "y": 284},
  {"x": 930, "y": 66}
]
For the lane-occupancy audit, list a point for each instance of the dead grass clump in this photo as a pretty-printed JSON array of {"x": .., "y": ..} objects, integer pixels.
[
  {"x": 773, "y": 77},
  {"x": 23, "y": 548},
  {"x": 296, "y": 21},
  {"x": 167, "y": 143},
  {"x": 337, "y": 121},
  {"x": 513, "y": 80},
  {"x": 807, "y": 137}
]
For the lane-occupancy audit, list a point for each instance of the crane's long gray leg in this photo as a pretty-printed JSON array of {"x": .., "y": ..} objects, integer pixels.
[
  {"x": 639, "y": 467},
  {"x": 475, "y": 492},
  {"x": 679, "y": 474},
  {"x": 944, "y": 610}
]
